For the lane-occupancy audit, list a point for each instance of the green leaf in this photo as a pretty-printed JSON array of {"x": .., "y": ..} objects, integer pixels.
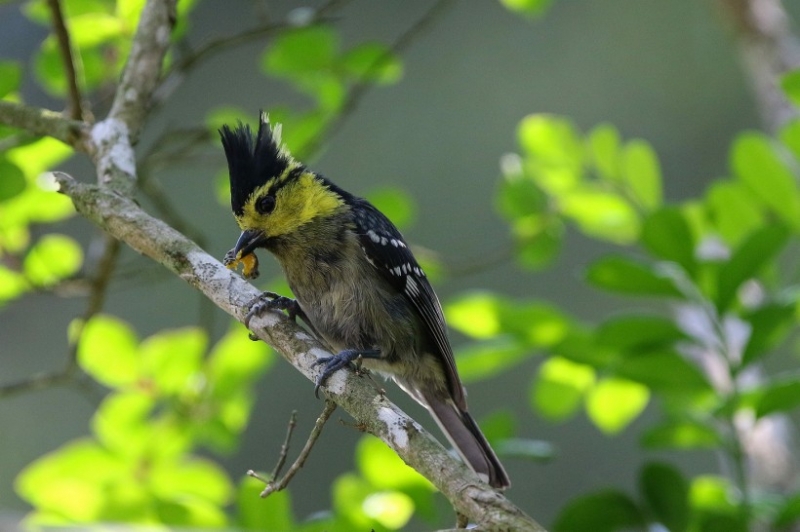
[
  {"x": 559, "y": 387},
  {"x": 789, "y": 134},
  {"x": 604, "y": 148},
  {"x": 667, "y": 494},
  {"x": 13, "y": 181},
  {"x": 192, "y": 477},
  {"x": 171, "y": 359},
  {"x": 667, "y": 235},
  {"x": 477, "y": 315},
  {"x": 663, "y": 372},
  {"x": 604, "y": 215},
  {"x": 12, "y": 284},
  {"x": 638, "y": 333},
  {"x": 519, "y": 197},
  {"x": 551, "y": 140},
  {"x": 396, "y": 204},
  {"x": 120, "y": 423},
  {"x": 681, "y": 435},
  {"x": 641, "y": 173},
  {"x": 537, "y": 252},
  {"x": 757, "y": 165},
  {"x": 534, "y": 323},
  {"x": 733, "y": 210},
  {"x": 236, "y": 362},
  {"x": 500, "y": 424},
  {"x": 10, "y": 76},
  {"x": 778, "y": 396},
  {"x": 626, "y": 276},
  {"x": 92, "y": 29},
  {"x": 531, "y": 8},
  {"x": 612, "y": 404},
  {"x": 384, "y": 469},
  {"x": 108, "y": 351},
  {"x": 753, "y": 255},
  {"x": 255, "y": 513},
  {"x": 71, "y": 482},
  {"x": 53, "y": 258},
  {"x": 790, "y": 83},
  {"x": 484, "y": 360},
  {"x": 373, "y": 62},
  {"x": 788, "y": 513},
  {"x": 227, "y": 115},
  {"x": 602, "y": 511},
  {"x": 769, "y": 326},
  {"x": 302, "y": 51}
]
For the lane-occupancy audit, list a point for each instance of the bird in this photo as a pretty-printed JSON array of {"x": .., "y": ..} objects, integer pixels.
[{"x": 355, "y": 281}]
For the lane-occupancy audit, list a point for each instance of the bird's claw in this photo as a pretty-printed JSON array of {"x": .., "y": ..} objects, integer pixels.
[
  {"x": 271, "y": 301},
  {"x": 336, "y": 362}
]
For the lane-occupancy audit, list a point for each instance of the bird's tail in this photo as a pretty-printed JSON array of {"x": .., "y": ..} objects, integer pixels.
[{"x": 465, "y": 435}]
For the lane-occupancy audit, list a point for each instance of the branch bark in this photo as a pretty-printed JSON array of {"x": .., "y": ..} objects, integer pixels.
[{"x": 123, "y": 219}]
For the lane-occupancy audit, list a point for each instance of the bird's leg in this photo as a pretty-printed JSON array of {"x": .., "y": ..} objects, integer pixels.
[{"x": 340, "y": 360}]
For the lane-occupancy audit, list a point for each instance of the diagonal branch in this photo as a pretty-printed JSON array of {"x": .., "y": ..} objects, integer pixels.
[
  {"x": 123, "y": 219},
  {"x": 65, "y": 46}
]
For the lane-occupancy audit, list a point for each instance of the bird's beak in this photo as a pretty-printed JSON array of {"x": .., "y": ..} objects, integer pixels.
[{"x": 248, "y": 241}]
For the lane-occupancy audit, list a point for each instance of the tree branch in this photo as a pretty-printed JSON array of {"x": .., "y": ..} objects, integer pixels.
[
  {"x": 44, "y": 122},
  {"x": 123, "y": 219},
  {"x": 143, "y": 69}
]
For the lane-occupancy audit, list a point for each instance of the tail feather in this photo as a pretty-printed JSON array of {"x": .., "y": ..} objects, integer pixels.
[{"x": 465, "y": 435}]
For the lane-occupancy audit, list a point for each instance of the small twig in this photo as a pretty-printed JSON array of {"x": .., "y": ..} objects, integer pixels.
[
  {"x": 274, "y": 485},
  {"x": 65, "y": 46},
  {"x": 285, "y": 447}
]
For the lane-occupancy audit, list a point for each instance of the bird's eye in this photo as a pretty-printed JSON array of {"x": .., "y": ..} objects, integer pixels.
[{"x": 265, "y": 205}]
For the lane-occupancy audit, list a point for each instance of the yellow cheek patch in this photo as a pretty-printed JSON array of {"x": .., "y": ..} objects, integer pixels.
[{"x": 249, "y": 263}]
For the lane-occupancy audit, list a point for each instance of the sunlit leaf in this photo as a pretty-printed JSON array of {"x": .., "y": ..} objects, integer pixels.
[
  {"x": 518, "y": 197},
  {"x": 193, "y": 477},
  {"x": 391, "y": 509},
  {"x": 603, "y": 511},
  {"x": 755, "y": 163},
  {"x": 349, "y": 492},
  {"x": 537, "y": 252},
  {"x": 604, "y": 147},
  {"x": 602, "y": 214},
  {"x": 612, "y": 404},
  {"x": 171, "y": 359},
  {"x": 255, "y": 513},
  {"x": 372, "y": 62},
  {"x": 666, "y": 235},
  {"x": 681, "y": 435},
  {"x": 754, "y": 253},
  {"x": 384, "y": 469},
  {"x": 236, "y": 361},
  {"x": 626, "y": 276},
  {"x": 476, "y": 315},
  {"x": 10, "y": 76},
  {"x": 53, "y": 258},
  {"x": 667, "y": 494},
  {"x": 120, "y": 423},
  {"x": 790, "y": 83},
  {"x": 552, "y": 140},
  {"x": 108, "y": 351},
  {"x": 12, "y": 180},
  {"x": 189, "y": 512},
  {"x": 92, "y": 29},
  {"x": 12, "y": 284},
  {"x": 789, "y": 134},
  {"x": 559, "y": 387},
  {"x": 531, "y": 8},
  {"x": 641, "y": 173},
  {"x": 481, "y": 361},
  {"x": 395, "y": 203}
]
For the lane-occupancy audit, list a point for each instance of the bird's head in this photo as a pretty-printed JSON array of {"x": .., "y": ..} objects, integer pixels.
[{"x": 272, "y": 194}]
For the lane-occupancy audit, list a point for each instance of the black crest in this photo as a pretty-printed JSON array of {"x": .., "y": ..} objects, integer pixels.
[{"x": 252, "y": 162}]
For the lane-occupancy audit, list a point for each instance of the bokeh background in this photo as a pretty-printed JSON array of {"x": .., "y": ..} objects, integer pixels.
[{"x": 668, "y": 72}]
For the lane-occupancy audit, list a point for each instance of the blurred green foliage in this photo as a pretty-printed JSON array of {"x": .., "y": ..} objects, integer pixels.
[{"x": 710, "y": 271}]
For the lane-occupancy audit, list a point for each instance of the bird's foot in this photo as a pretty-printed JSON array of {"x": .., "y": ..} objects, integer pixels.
[
  {"x": 337, "y": 362},
  {"x": 272, "y": 301}
]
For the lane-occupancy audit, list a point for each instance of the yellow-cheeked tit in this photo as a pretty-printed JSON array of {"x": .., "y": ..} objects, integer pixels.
[{"x": 355, "y": 279}]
